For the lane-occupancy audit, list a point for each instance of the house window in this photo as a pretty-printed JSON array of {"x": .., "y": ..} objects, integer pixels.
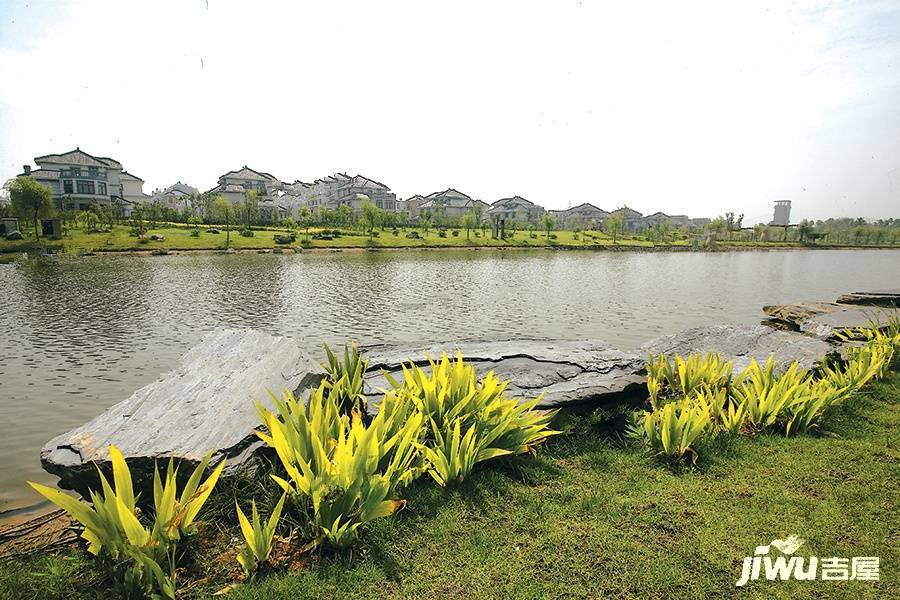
[
  {"x": 67, "y": 186},
  {"x": 101, "y": 188},
  {"x": 76, "y": 171},
  {"x": 85, "y": 187},
  {"x": 94, "y": 171}
]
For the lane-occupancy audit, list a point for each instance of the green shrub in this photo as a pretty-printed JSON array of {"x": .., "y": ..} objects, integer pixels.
[
  {"x": 345, "y": 472},
  {"x": 258, "y": 537},
  {"x": 673, "y": 431},
  {"x": 766, "y": 394},
  {"x": 681, "y": 376},
  {"x": 113, "y": 529},
  {"x": 247, "y": 233},
  {"x": 345, "y": 377},
  {"x": 452, "y": 400}
]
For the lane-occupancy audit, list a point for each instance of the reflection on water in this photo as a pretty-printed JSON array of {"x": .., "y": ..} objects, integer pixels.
[{"x": 78, "y": 335}]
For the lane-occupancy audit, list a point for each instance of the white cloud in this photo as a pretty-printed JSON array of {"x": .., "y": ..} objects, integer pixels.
[{"x": 696, "y": 108}]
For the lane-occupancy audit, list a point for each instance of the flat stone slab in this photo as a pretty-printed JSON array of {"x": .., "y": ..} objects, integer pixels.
[
  {"x": 567, "y": 372},
  {"x": 876, "y": 298},
  {"x": 825, "y": 319},
  {"x": 205, "y": 403},
  {"x": 742, "y": 343}
]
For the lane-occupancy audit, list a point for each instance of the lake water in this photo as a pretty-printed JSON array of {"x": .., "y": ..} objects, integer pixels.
[{"x": 78, "y": 335}]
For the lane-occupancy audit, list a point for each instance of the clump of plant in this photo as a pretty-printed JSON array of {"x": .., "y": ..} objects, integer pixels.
[
  {"x": 345, "y": 378},
  {"x": 344, "y": 471},
  {"x": 669, "y": 378},
  {"x": 469, "y": 420},
  {"x": 766, "y": 393},
  {"x": 675, "y": 430},
  {"x": 258, "y": 537},
  {"x": 144, "y": 557}
]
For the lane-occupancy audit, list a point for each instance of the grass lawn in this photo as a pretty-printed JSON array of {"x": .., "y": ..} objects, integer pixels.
[
  {"x": 180, "y": 238},
  {"x": 589, "y": 518}
]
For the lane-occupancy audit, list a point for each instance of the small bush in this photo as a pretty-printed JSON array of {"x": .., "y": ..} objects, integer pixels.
[
  {"x": 455, "y": 233},
  {"x": 247, "y": 233}
]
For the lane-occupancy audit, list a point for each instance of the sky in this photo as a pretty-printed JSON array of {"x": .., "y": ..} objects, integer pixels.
[{"x": 694, "y": 108}]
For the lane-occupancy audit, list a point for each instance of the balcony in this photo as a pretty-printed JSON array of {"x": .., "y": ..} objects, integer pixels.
[{"x": 101, "y": 176}]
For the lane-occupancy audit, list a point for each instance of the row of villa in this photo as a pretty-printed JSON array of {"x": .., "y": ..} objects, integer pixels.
[{"x": 79, "y": 180}]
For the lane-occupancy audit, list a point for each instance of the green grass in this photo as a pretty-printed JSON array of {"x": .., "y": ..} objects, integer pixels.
[
  {"x": 589, "y": 518},
  {"x": 179, "y": 238}
]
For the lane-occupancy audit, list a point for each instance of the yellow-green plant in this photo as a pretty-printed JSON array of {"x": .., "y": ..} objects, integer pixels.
[
  {"x": 452, "y": 455},
  {"x": 674, "y": 430},
  {"x": 258, "y": 536},
  {"x": 112, "y": 527},
  {"x": 766, "y": 393},
  {"x": 807, "y": 409},
  {"x": 863, "y": 364},
  {"x": 452, "y": 392},
  {"x": 683, "y": 376},
  {"x": 346, "y": 376},
  {"x": 345, "y": 471}
]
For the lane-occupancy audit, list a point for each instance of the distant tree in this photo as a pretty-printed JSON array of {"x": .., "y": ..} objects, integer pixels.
[
  {"x": 804, "y": 229},
  {"x": 719, "y": 225},
  {"x": 344, "y": 215},
  {"x": 613, "y": 225},
  {"x": 251, "y": 207},
  {"x": 478, "y": 213},
  {"x": 426, "y": 223},
  {"x": 305, "y": 219},
  {"x": 30, "y": 200},
  {"x": 369, "y": 217},
  {"x": 468, "y": 222},
  {"x": 223, "y": 209},
  {"x": 547, "y": 223}
]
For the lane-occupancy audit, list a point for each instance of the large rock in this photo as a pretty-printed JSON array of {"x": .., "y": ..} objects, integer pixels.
[
  {"x": 565, "y": 372},
  {"x": 876, "y": 298},
  {"x": 825, "y": 319},
  {"x": 206, "y": 403},
  {"x": 742, "y": 343}
]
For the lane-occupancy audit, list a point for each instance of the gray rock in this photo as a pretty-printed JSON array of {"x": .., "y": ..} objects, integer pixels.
[
  {"x": 825, "y": 319},
  {"x": 876, "y": 298},
  {"x": 741, "y": 343},
  {"x": 566, "y": 372},
  {"x": 14, "y": 235},
  {"x": 205, "y": 403}
]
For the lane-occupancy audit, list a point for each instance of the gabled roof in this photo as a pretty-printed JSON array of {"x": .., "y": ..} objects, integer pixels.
[
  {"x": 658, "y": 214},
  {"x": 79, "y": 157},
  {"x": 585, "y": 207},
  {"x": 42, "y": 174},
  {"x": 513, "y": 201},
  {"x": 127, "y": 175},
  {"x": 246, "y": 172},
  {"x": 448, "y": 194},
  {"x": 361, "y": 181},
  {"x": 627, "y": 212}
]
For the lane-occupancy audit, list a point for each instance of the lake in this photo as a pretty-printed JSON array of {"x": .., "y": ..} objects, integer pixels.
[{"x": 78, "y": 335}]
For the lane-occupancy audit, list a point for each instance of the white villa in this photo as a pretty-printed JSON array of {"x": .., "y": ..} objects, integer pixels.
[
  {"x": 450, "y": 202},
  {"x": 658, "y": 218},
  {"x": 515, "y": 210},
  {"x": 79, "y": 180},
  {"x": 177, "y": 196},
  {"x": 342, "y": 189},
  {"x": 234, "y": 185},
  {"x": 583, "y": 215}
]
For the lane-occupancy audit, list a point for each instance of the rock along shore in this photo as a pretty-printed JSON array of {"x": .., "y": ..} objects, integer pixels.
[{"x": 207, "y": 402}]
